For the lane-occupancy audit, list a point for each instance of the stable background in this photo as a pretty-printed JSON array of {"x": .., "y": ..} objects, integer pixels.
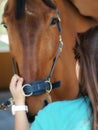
[
  {"x": 6, "y": 72},
  {"x": 6, "y": 117}
]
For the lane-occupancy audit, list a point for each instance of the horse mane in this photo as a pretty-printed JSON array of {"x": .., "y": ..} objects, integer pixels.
[{"x": 20, "y": 8}]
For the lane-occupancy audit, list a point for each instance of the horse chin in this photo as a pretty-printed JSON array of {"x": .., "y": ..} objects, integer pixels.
[
  {"x": 46, "y": 103},
  {"x": 31, "y": 117}
]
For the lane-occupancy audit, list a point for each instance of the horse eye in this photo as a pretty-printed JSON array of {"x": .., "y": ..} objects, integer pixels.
[
  {"x": 4, "y": 25},
  {"x": 54, "y": 21}
]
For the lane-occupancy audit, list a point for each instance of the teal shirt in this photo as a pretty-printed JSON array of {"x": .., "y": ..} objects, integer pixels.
[{"x": 65, "y": 115}]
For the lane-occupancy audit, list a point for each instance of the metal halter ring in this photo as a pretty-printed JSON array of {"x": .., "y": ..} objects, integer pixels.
[
  {"x": 26, "y": 95},
  {"x": 48, "y": 81}
]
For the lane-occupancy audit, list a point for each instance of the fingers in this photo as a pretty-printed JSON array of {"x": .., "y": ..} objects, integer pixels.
[
  {"x": 19, "y": 83},
  {"x": 16, "y": 81},
  {"x": 16, "y": 90}
]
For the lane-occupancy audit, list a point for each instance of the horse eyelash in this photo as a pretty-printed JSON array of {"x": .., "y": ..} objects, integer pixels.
[
  {"x": 4, "y": 24},
  {"x": 54, "y": 21}
]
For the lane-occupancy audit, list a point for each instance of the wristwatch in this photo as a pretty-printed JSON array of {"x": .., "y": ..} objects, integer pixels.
[{"x": 19, "y": 108}]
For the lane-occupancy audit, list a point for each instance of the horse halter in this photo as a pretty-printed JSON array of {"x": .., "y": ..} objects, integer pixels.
[{"x": 40, "y": 86}]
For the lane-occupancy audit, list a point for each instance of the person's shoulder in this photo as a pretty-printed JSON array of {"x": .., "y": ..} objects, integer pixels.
[
  {"x": 66, "y": 105},
  {"x": 51, "y": 107},
  {"x": 77, "y": 110}
]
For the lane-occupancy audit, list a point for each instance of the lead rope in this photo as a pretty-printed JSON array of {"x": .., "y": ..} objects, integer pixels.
[
  {"x": 14, "y": 66},
  {"x": 10, "y": 101}
]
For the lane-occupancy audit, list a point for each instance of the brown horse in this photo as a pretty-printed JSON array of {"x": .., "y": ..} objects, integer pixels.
[{"x": 34, "y": 37}]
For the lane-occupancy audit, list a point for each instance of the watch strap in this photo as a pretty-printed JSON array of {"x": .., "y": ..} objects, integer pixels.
[{"x": 19, "y": 108}]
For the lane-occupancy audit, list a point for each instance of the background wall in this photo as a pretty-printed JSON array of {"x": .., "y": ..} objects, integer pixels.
[
  {"x": 6, "y": 70},
  {"x": 6, "y": 118}
]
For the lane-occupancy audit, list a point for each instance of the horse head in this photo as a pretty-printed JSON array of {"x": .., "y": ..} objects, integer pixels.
[
  {"x": 34, "y": 42},
  {"x": 34, "y": 36}
]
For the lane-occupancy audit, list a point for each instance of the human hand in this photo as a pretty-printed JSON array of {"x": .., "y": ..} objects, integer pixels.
[{"x": 16, "y": 90}]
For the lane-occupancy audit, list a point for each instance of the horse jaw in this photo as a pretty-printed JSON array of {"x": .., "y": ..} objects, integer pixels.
[{"x": 42, "y": 101}]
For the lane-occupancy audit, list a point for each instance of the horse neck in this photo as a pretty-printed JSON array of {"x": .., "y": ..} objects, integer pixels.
[
  {"x": 73, "y": 16},
  {"x": 65, "y": 67},
  {"x": 72, "y": 22}
]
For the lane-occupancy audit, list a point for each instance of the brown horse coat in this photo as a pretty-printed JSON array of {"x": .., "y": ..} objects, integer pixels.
[{"x": 33, "y": 44}]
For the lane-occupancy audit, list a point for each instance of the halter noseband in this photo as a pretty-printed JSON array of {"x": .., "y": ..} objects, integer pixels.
[{"x": 40, "y": 86}]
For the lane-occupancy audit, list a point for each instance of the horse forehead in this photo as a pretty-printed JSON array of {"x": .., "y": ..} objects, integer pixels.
[
  {"x": 35, "y": 4},
  {"x": 35, "y": 7}
]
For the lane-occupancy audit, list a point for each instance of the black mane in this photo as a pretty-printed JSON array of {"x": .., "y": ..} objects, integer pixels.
[
  {"x": 49, "y": 3},
  {"x": 20, "y": 8}
]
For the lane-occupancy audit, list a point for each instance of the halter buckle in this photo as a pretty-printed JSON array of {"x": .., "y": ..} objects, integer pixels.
[
  {"x": 26, "y": 95},
  {"x": 48, "y": 81}
]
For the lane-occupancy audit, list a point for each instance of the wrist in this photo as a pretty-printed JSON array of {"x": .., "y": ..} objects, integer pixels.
[
  {"x": 19, "y": 102},
  {"x": 19, "y": 108}
]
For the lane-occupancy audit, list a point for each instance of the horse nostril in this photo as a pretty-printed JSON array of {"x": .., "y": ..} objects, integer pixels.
[{"x": 45, "y": 103}]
